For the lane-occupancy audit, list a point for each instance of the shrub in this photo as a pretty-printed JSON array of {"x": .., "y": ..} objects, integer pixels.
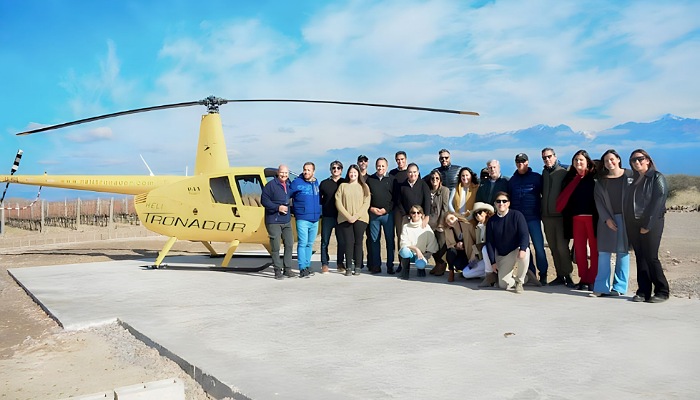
[{"x": 678, "y": 183}]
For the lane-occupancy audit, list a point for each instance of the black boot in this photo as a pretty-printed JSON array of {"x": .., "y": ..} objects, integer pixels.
[
  {"x": 390, "y": 270},
  {"x": 288, "y": 273},
  {"x": 278, "y": 274},
  {"x": 405, "y": 268}
]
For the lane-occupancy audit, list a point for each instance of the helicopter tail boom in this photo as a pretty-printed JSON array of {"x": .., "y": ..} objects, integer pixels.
[{"x": 118, "y": 184}]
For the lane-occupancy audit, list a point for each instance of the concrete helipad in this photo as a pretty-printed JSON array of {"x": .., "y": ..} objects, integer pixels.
[{"x": 377, "y": 337}]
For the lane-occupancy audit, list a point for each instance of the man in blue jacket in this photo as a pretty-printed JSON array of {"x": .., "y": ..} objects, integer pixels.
[
  {"x": 278, "y": 221},
  {"x": 525, "y": 190},
  {"x": 306, "y": 206}
]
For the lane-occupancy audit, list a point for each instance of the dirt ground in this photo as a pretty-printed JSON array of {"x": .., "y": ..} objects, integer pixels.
[{"x": 38, "y": 359}]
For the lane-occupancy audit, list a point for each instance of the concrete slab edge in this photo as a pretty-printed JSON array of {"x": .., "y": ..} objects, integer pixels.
[
  {"x": 36, "y": 300},
  {"x": 213, "y": 386},
  {"x": 209, "y": 383}
]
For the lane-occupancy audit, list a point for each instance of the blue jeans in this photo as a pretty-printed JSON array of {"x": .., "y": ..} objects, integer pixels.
[
  {"x": 376, "y": 224},
  {"x": 535, "y": 228},
  {"x": 622, "y": 265},
  {"x": 306, "y": 234},
  {"x": 406, "y": 253},
  {"x": 327, "y": 226}
]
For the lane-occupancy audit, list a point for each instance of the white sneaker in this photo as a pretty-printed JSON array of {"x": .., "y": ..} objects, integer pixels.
[{"x": 519, "y": 287}]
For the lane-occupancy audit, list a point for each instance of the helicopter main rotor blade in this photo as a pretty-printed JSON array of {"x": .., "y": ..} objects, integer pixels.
[
  {"x": 351, "y": 103},
  {"x": 116, "y": 114},
  {"x": 213, "y": 103}
]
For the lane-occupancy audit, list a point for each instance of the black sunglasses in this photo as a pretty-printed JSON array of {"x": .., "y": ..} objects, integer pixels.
[
  {"x": 637, "y": 159},
  {"x": 502, "y": 201}
]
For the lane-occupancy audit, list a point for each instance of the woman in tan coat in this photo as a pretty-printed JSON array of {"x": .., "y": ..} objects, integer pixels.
[
  {"x": 352, "y": 201},
  {"x": 463, "y": 197}
]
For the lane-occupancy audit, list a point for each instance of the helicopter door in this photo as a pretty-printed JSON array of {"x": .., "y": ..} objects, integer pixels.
[
  {"x": 249, "y": 190},
  {"x": 221, "y": 193}
]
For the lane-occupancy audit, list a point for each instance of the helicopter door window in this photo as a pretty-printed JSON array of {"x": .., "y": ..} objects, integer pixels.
[
  {"x": 250, "y": 188},
  {"x": 220, "y": 189}
]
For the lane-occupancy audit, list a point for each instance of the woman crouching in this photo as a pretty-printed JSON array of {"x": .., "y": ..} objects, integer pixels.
[
  {"x": 417, "y": 243},
  {"x": 466, "y": 242}
]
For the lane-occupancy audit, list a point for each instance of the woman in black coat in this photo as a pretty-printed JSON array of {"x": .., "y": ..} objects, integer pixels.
[{"x": 645, "y": 206}]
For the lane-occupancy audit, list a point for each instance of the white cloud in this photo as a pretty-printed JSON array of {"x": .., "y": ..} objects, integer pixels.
[{"x": 517, "y": 63}]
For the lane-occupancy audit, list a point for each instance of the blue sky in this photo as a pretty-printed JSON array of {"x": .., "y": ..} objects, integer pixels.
[{"x": 590, "y": 65}]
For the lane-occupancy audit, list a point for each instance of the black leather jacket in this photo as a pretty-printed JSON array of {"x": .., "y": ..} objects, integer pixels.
[{"x": 646, "y": 201}]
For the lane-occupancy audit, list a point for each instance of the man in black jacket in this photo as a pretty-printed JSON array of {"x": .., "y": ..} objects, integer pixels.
[
  {"x": 381, "y": 216},
  {"x": 329, "y": 217}
]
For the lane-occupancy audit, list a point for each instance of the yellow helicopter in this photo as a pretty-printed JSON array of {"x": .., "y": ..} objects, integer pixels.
[{"x": 219, "y": 203}]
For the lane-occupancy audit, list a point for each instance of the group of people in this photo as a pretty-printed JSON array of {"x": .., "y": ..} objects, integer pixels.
[{"x": 480, "y": 226}]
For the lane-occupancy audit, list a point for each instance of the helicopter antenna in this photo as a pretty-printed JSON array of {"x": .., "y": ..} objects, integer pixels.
[
  {"x": 212, "y": 103},
  {"x": 149, "y": 168}
]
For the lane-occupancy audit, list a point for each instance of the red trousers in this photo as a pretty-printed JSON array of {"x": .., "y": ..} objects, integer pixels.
[{"x": 583, "y": 235}]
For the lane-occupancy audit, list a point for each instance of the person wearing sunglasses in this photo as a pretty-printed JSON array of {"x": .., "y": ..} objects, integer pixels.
[
  {"x": 553, "y": 175},
  {"x": 645, "y": 206},
  {"x": 508, "y": 244},
  {"x": 417, "y": 243},
  {"x": 449, "y": 173},
  {"x": 329, "y": 219}
]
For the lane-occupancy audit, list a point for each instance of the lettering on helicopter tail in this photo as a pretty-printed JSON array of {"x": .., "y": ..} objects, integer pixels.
[
  {"x": 193, "y": 190},
  {"x": 107, "y": 182},
  {"x": 205, "y": 224}
]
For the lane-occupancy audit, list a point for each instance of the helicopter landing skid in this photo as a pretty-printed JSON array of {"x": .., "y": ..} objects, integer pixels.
[{"x": 218, "y": 269}]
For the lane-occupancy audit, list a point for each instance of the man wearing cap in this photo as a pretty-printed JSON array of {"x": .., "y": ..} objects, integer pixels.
[
  {"x": 329, "y": 218},
  {"x": 495, "y": 183},
  {"x": 525, "y": 190},
  {"x": 362, "y": 163},
  {"x": 553, "y": 174},
  {"x": 448, "y": 171},
  {"x": 381, "y": 216}
]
